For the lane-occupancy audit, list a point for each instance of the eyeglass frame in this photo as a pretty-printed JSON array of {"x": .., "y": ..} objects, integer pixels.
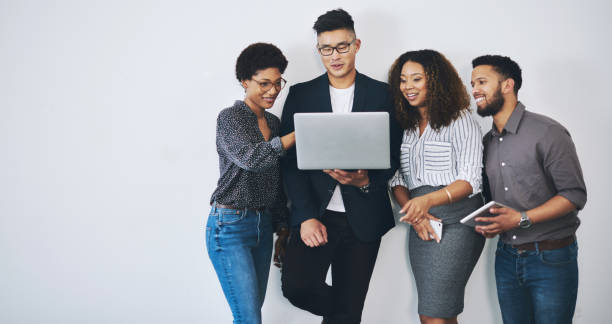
[
  {"x": 348, "y": 48},
  {"x": 282, "y": 81}
]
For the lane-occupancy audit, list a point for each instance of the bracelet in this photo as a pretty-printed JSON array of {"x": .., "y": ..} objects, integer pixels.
[{"x": 450, "y": 197}]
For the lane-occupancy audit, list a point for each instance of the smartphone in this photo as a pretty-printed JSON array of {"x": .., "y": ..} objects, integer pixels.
[{"x": 437, "y": 227}]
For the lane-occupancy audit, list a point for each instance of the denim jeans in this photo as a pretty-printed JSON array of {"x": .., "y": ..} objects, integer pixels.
[
  {"x": 239, "y": 244},
  {"x": 536, "y": 286}
]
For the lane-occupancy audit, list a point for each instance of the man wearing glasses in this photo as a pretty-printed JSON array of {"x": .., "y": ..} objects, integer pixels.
[{"x": 337, "y": 217}]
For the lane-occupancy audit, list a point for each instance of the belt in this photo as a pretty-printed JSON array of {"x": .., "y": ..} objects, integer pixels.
[
  {"x": 261, "y": 209},
  {"x": 546, "y": 244}
]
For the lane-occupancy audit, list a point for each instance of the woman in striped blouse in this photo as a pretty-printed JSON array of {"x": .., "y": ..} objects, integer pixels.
[{"x": 439, "y": 179}]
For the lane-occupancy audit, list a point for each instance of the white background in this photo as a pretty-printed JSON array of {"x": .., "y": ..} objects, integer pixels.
[{"x": 107, "y": 155}]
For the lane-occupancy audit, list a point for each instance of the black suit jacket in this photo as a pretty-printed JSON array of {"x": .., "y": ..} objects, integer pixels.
[{"x": 369, "y": 214}]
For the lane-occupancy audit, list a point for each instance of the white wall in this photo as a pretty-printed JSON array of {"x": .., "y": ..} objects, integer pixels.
[{"x": 107, "y": 160}]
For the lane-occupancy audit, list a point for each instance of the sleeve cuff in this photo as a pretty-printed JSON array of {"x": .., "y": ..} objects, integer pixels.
[
  {"x": 277, "y": 146},
  {"x": 298, "y": 217},
  {"x": 397, "y": 180},
  {"x": 475, "y": 182},
  {"x": 576, "y": 197}
]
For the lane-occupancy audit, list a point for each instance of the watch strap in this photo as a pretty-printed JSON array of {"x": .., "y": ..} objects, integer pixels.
[{"x": 365, "y": 188}]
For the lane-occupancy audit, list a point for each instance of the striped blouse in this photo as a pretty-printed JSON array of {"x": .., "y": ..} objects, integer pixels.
[{"x": 438, "y": 158}]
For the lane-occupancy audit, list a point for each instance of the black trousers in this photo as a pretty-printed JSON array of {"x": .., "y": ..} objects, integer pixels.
[{"x": 352, "y": 262}]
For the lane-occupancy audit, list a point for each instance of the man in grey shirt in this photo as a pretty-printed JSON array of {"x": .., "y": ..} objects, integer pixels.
[{"x": 531, "y": 166}]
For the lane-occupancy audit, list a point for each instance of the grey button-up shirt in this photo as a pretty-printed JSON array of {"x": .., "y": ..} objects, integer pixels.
[
  {"x": 531, "y": 161},
  {"x": 249, "y": 165}
]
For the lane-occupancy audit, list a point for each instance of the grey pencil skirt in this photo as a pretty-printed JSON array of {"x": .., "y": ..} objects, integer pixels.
[{"x": 442, "y": 270}]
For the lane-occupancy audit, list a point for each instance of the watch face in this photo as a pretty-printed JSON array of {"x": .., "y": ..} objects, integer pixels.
[{"x": 525, "y": 223}]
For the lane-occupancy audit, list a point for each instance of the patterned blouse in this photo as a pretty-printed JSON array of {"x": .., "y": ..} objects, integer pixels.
[
  {"x": 249, "y": 165},
  {"x": 438, "y": 158}
]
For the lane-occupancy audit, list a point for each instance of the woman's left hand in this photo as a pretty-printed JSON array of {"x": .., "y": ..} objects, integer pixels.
[
  {"x": 416, "y": 210},
  {"x": 279, "y": 246}
]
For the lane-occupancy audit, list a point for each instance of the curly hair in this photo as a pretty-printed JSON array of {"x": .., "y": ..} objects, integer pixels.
[
  {"x": 259, "y": 56},
  {"x": 446, "y": 93},
  {"x": 503, "y": 65}
]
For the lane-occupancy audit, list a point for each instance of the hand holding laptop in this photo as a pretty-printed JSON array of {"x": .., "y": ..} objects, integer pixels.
[{"x": 358, "y": 178}]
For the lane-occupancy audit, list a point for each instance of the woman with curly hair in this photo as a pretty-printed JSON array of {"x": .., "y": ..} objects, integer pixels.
[
  {"x": 248, "y": 203},
  {"x": 439, "y": 179}
]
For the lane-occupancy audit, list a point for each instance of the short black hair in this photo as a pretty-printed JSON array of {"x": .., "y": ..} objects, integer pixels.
[
  {"x": 502, "y": 65},
  {"x": 259, "y": 56},
  {"x": 333, "y": 20}
]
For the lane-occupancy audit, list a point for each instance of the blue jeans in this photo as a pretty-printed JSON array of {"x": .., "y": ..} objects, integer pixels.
[
  {"x": 239, "y": 244},
  {"x": 536, "y": 286}
]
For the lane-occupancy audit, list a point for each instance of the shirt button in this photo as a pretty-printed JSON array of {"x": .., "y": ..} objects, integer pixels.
[
  {"x": 506, "y": 188},
  {"x": 503, "y": 164},
  {"x": 514, "y": 237},
  {"x": 501, "y": 139}
]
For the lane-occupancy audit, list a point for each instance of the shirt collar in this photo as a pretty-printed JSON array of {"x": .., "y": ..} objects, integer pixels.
[
  {"x": 243, "y": 105},
  {"x": 513, "y": 122}
]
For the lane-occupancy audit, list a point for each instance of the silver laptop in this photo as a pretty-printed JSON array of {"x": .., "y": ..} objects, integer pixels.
[{"x": 348, "y": 141}]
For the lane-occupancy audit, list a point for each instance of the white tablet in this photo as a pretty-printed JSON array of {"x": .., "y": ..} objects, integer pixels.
[{"x": 481, "y": 212}]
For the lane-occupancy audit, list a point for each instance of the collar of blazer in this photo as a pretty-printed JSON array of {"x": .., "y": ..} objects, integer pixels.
[{"x": 361, "y": 86}]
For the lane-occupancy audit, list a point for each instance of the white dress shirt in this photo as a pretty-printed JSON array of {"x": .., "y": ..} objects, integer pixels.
[{"x": 341, "y": 102}]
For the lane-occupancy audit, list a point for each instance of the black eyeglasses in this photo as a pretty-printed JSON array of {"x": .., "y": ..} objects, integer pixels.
[
  {"x": 340, "y": 48},
  {"x": 265, "y": 86}
]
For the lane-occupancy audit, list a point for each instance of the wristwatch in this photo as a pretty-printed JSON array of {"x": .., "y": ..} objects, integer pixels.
[
  {"x": 365, "y": 188},
  {"x": 525, "y": 222}
]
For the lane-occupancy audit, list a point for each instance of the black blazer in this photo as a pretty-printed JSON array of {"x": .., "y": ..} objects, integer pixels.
[{"x": 369, "y": 214}]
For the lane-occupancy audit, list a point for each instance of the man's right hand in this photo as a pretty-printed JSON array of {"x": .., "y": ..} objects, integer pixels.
[{"x": 313, "y": 232}]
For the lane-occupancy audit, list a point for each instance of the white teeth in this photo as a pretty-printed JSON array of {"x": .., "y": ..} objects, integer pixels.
[{"x": 479, "y": 99}]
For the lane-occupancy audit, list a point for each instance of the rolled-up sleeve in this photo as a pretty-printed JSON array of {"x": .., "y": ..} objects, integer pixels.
[
  {"x": 561, "y": 164},
  {"x": 467, "y": 145},
  {"x": 241, "y": 150},
  {"x": 397, "y": 180}
]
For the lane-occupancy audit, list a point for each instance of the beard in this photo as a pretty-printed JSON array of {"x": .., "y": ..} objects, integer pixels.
[{"x": 494, "y": 106}]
